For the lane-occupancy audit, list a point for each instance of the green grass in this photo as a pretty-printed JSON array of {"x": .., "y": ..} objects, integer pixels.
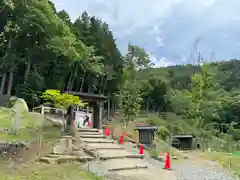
[
  {"x": 31, "y": 169},
  {"x": 28, "y": 125},
  {"x": 227, "y": 160},
  {"x": 38, "y": 171},
  {"x": 236, "y": 153}
]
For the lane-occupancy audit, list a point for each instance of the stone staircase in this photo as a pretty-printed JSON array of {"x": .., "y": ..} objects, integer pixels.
[
  {"x": 104, "y": 156},
  {"x": 111, "y": 155},
  {"x": 91, "y": 144},
  {"x": 66, "y": 151}
]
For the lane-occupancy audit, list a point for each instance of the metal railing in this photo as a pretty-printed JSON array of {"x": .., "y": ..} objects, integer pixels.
[
  {"x": 46, "y": 110},
  {"x": 54, "y": 115}
]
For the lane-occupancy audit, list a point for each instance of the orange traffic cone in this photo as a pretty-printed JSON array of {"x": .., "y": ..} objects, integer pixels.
[
  {"x": 167, "y": 162},
  {"x": 121, "y": 138},
  {"x": 141, "y": 149}
]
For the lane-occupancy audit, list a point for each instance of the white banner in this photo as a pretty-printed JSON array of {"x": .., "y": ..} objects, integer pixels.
[{"x": 80, "y": 116}]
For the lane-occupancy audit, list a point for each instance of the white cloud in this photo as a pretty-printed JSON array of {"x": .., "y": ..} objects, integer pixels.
[
  {"x": 123, "y": 16},
  {"x": 161, "y": 62},
  {"x": 167, "y": 28}
]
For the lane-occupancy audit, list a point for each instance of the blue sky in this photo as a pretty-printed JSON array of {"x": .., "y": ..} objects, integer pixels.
[{"x": 167, "y": 29}]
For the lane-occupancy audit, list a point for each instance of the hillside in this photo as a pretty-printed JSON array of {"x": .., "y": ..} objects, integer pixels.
[{"x": 169, "y": 90}]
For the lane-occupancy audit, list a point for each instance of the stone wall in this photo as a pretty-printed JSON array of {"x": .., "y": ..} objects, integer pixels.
[{"x": 6, "y": 146}]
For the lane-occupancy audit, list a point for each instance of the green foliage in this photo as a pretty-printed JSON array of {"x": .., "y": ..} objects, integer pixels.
[
  {"x": 135, "y": 60},
  {"x": 131, "y": 99},
  {"x": 51, "y": 52},
  {"x": 163, "y": 132},
  {"x": 61, "y": 100}
]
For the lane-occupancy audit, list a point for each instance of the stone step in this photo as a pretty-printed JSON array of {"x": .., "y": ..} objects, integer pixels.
[
  {"x": 104, "y": 146},
  {"x": 57, "y": 159},
  {"x": 92, "y": 136},
  {"x": 123, "y": 163},
  {"x": 91, "y": 140},
  {"x": 74, "y": 158},
  {"x": 87, "y": 133},
  {"x": 129, "y": 156},
  {"x": 48, "y": 160},
  {"x": 87, "y": 130},
  {"x": 128, "y": 167}
]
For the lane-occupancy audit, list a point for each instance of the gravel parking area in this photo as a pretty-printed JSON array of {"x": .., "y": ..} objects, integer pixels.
[
  {"x": 194, "y": 168},
  {"x": 201, "y": 170}
]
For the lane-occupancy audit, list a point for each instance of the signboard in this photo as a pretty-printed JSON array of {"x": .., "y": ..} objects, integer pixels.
[{"x": 80, "y": 116}]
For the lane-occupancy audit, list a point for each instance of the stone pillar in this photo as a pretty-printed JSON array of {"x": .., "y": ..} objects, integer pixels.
[
  {"x": 65, "y": 146},
  {"x": 101, "y": 109}
]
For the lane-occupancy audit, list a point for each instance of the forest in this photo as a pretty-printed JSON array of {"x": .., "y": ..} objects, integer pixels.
[{"x": 42, "y": 49}]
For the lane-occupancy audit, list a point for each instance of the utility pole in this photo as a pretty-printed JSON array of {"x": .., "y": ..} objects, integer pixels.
[
  {"x": 213, "y": 55},
  {"x": 196, "y": 53}
]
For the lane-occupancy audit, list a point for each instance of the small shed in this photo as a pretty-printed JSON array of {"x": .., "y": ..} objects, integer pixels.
[
  {"x": 183, "y": 142},
  {"x": 96, "y": 101},
  {"x": 146, "y": 133}
]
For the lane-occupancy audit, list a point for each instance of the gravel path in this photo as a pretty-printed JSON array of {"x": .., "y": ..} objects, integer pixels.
[
  {"x": 203, "y": 170},
  {"x": 193, "y": 168}
]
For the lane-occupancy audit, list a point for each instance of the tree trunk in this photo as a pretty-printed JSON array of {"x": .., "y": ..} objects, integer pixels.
[
  {"x": 74, "y": 78},
  {"x": 72, "y": 83},
  {"x": 10, "y": 82},
  {"x": 89, "y": 88},
  {"x": 4, "y": 75},
  {"x": 104, "y": 86},
  {"x": 28, "y": 67},
  {"x": 112, "y": 109},
  {"x": 83, "y": 79},
  {"x": 69, "y": 81},
  {"x": 108, "y": 109},
  {"x": 3, "y": 84},
  {"x": 148, "y": 104}
]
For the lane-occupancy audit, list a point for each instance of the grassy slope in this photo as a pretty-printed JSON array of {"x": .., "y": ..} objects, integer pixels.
[
  {"x": 29, "y": 169},
  {"x": 28, "y": 125},
  {"x": 161, "y": 145},
  {"x": 39, "y": 171}
]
